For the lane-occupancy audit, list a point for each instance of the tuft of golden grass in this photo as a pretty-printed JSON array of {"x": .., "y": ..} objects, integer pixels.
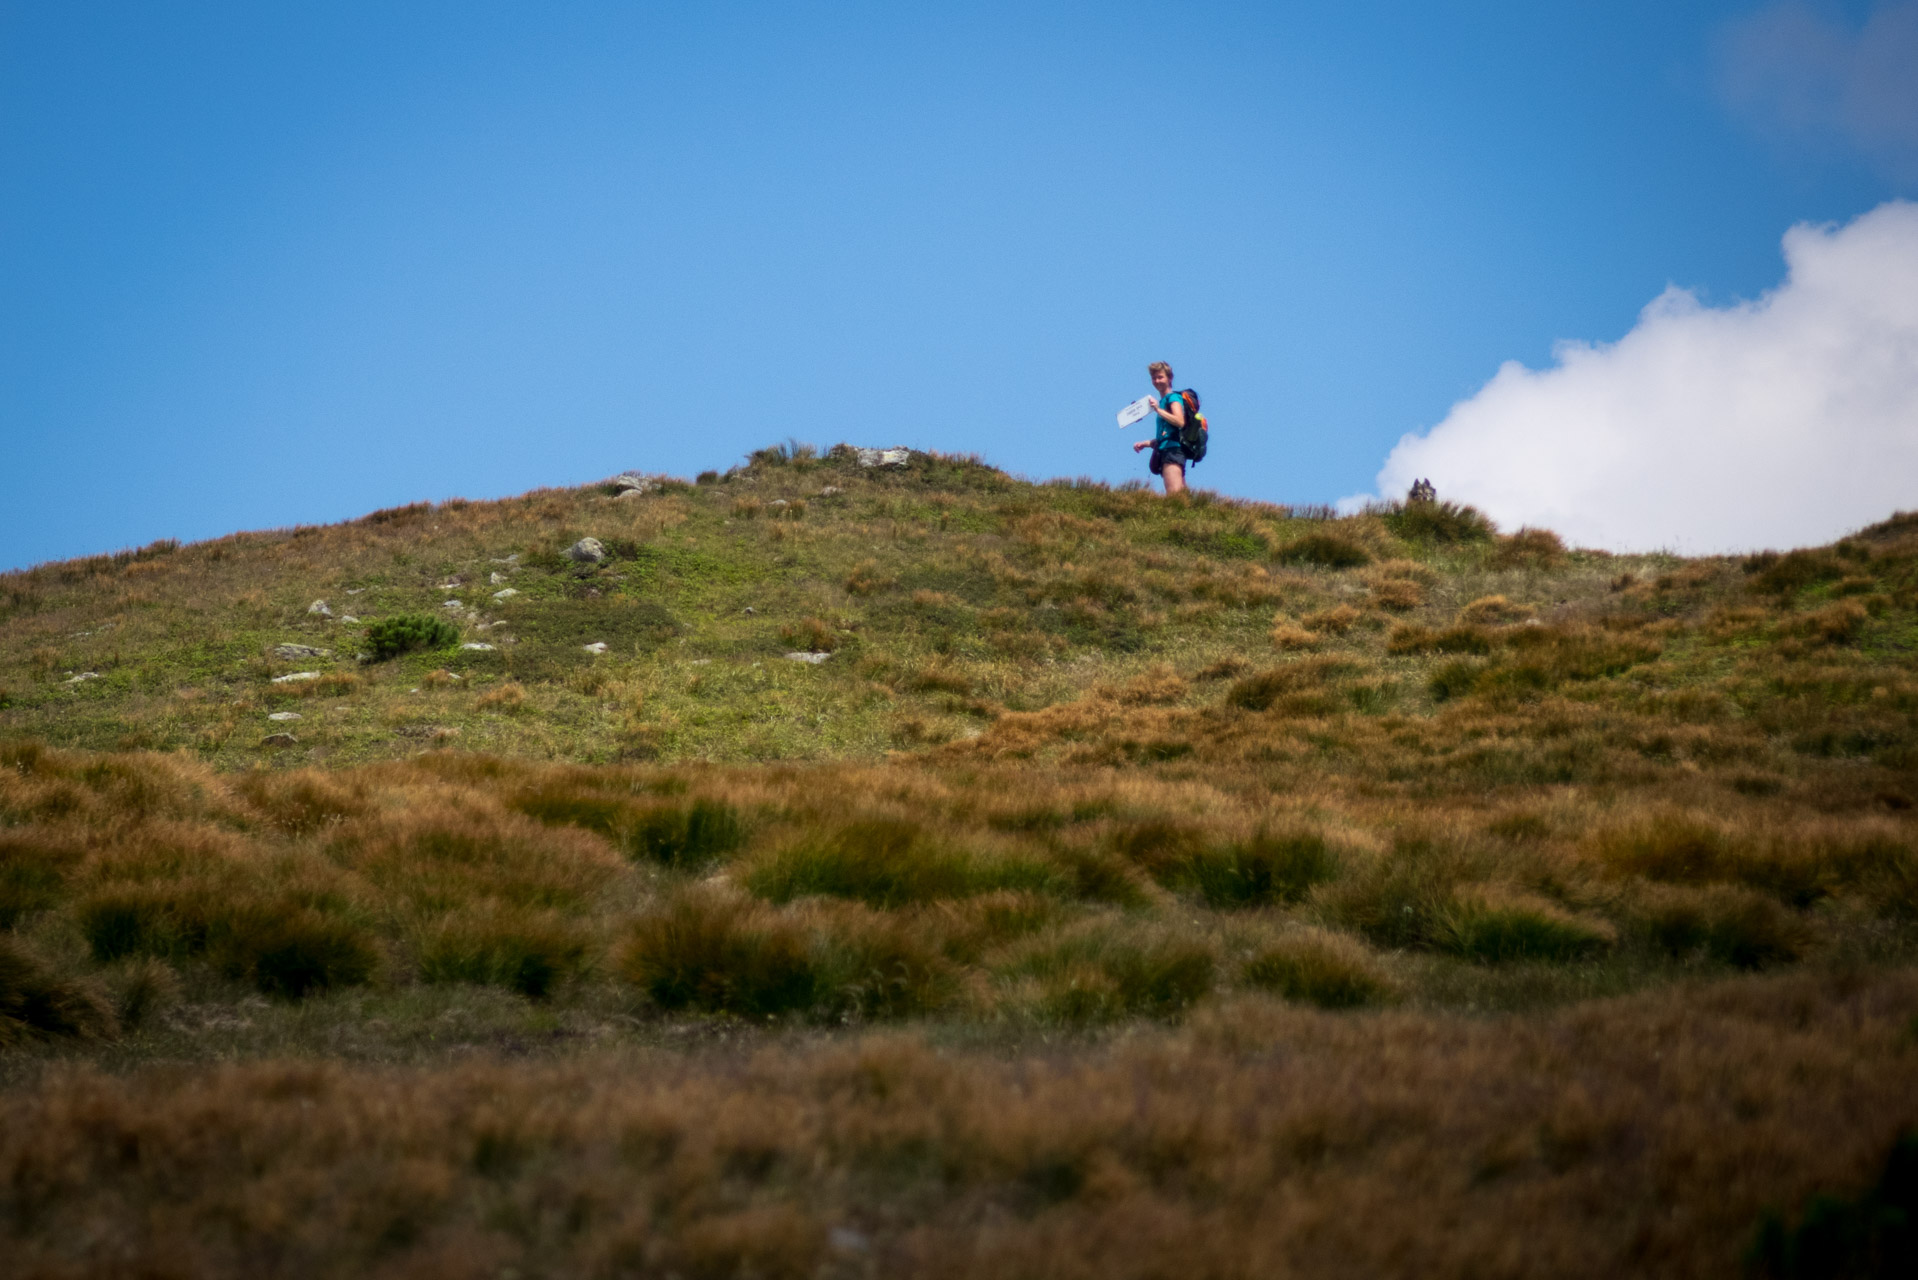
[{"x": 1321, "y": 967}]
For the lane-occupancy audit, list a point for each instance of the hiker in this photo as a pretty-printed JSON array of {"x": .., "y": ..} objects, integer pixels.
[{"x": 1168, "y": 454}]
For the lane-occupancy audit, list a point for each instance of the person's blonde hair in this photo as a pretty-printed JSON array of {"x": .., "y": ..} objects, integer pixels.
[{"x": 1157, "y": 365}]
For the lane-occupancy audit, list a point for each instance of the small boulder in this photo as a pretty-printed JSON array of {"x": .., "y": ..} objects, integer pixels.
[
  {"x": 279, "y": 740},
  {"x": 632, "y": 482},
  {"x": 284, "y": 715},
  {"x": 507, "y": 594},
  {"x": 883, "y": 457},
  {"x": 293, "y": 652},
  {"x": 347, "y": 617},
  {"x": 598, "y": 646},
  {"x": 454, "y": 604},
  {"x": 83, "y": 677},
  {"x": 296, "y": 676},
  {"x": 831, "y": 491},
  {"x": 587, "y": 551},
  {"x": 318, "y": 608},
  {"x": 495, "y": 578},
  {"x": 477, "y": 647},
  {"x": 814, "y": 658}
]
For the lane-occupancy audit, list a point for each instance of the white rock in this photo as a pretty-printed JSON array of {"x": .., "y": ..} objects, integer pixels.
[
  {"x": 454, "y": 604},
  {"x": 507, "y": 594},
  {"x": 284, "y": 715},
  {"x": 319, "y": 607},
  {"x": 883, "y": 457},
  {"x": 451, "y": 584},
  {"x": 598, "y": 646},
  {"x": 296, "y": 676},
  {"x": 631, "y": 482},
  {"x": 496, "y": 577},
  {"x": 587, "y": 551},
  {"x": 356, "y": 591},
  {"x": 814, "y": 658},
  {"x": 477, "y": 647},
  {"x": 831, "y": 491},
  {"x": 83, "y": 677},
  {"x": 347, "y": 617},
  {"x": 292, "y": 651},
  {"x": 778, "y": 502},
  {"x": 512, "y": 559}
]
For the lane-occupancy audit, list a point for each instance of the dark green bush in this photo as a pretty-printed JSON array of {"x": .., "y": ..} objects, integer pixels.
[
  {"x": 1328, "y": 550},
  {"x": 36, "y": 1003},
  {"x": 1103, "y": 973},
  {"x": 704, "y": 952},
  {"x": 1872, "y": 1236},
  {"x": 406, "y": 632},
  {"x": 1495, "y": 927},
  {"x": 1442, "y": 523},
  {"x": 527, "y": 952},
  {"x": 1317, "y": 966},
  {"x": 1267, "y": 869},
  {"x": 296, "y": 953},
  {"x": 889, "y": 863}
]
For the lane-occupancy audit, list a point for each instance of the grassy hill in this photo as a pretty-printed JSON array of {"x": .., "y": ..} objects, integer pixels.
[{"x": 918, "y": 871}]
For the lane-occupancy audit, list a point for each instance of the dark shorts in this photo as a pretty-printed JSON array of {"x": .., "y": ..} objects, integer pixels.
[{"x": 1173, "y": 454}]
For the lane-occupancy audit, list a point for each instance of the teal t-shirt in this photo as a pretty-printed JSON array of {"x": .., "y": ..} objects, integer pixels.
[{"x": 1167, "y": 434}]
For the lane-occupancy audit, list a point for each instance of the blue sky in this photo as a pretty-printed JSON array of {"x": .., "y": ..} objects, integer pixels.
[{"x": 273, "y": 264}]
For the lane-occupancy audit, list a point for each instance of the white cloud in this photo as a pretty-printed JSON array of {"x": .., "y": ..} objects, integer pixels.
[
  {"x": 1786, "y": 421},
  {"x": 1799, "y": 74}
]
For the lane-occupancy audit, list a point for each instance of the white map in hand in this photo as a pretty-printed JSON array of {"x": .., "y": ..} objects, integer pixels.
[{"x": 1136, "y": 410}]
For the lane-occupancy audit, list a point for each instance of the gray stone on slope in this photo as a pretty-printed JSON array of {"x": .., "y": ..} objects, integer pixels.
[
  {"x": 587, "y": 551},
  {"x": 632, "y": 482},
  {"x": 319, "y": 607},
  {"x": 897, "y": 457},
  {"x": 814, "y": 658},
  {"x": 294, "y": 651}
]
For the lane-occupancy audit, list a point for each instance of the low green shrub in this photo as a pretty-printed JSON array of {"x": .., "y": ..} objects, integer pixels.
[
  {"x": 1328, "y": 550},
  {"x": 1260, "y": 692},
  {"x": 873, "y": 965},
  {"x": 407, "y": 632},
  {"x": 702, "y": 951},
  {"x": 34, "y": 862},
  {"x": 1725, "y": 923},
  {"x": 890, "y": 863},
  {"x": 1104, "y": 971},
  {"x": 1872, "y": 1236},
  {"x": 1318, "y": 966},
  {"x": 293, "y": 952},
  {"x": 1494, "y": 926},
  {"x": 1441, "y": 523},
  {"x": 36, "y": 1003},
  {"x": 525, "y": 951},
  {"x": 1398, "y": 899},
  {"x": 1267, "y": 869}
]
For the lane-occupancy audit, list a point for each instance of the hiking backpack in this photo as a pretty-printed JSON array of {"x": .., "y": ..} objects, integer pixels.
[{"x": 1196, "y": 433}]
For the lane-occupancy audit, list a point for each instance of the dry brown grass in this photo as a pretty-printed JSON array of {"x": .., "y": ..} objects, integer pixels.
[{"x": 1645, "y": 1136}]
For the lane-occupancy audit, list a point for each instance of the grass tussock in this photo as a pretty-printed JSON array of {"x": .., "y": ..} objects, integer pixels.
[
  {"x": 37, "y": 1003},
  {"x": 1323, "y": 968}
]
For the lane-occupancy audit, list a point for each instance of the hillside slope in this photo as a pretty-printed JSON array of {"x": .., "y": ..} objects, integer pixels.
[{"x": 940, "y": 874}]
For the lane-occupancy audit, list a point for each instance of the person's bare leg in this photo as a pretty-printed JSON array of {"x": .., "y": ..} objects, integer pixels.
[{"x": 1174, "y": 476}]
